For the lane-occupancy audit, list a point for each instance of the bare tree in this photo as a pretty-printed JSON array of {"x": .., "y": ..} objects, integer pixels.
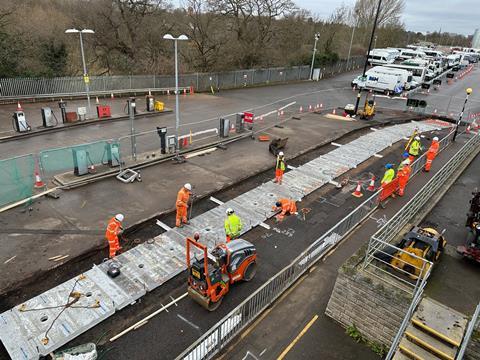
[{"x": 390, "y": 12}]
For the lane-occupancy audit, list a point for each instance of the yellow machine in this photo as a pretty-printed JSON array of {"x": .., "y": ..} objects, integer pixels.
[
  {"x": 418, "y": 244},
  {"x": 368, "y": 111}
]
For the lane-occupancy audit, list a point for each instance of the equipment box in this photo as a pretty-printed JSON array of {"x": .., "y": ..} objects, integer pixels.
[
  {"x": 103, "y": 111},
  {"x": 71, "y": 116}
]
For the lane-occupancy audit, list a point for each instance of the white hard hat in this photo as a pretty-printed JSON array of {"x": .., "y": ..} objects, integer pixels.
[
  {"x": 230, "y": 211},
  {"x": 435, "y": 138},
  {"x": 119, "y": 217},
  {"x": 406, "y": 161},
  {"x": 188, "y": 186},
  {"x": 417, "y": 138},
  {"x": 280, "y": 153}
]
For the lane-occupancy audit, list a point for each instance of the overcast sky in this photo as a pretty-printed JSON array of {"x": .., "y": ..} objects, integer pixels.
[{"x": 458, "y": 16}]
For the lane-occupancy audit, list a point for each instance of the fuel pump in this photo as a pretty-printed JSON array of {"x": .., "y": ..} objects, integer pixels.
[
  {"x": 150, "y": 103},
  {"x": 162, "y": 133},
  {"x": 48, "y": 117},
  {"x": 20, "y": 122},
  {"x": 63, "y": 108}
]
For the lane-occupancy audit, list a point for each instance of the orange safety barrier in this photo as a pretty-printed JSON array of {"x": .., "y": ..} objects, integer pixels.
[{"x": 389, "y": 189}]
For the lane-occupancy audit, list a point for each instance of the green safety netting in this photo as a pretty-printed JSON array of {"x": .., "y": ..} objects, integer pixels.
[
  {"x": 56, "y": 161},
  {"x": 16, "y": 178}
]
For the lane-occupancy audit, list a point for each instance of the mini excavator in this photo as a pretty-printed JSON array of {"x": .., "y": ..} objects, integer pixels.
[{"x": 211, "y": 274}]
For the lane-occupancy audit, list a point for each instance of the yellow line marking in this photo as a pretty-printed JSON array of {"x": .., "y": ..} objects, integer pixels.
[{"x": 292, "y": 344}]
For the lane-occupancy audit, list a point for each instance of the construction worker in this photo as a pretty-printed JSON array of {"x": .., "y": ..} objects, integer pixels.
[
  {"x": 279, "y": 168},
  {"x": 287, "y": 206},
  {"x": 431, "y": 153},
  {"x": 114, "y": 229},
  {"x": 405, "y": 160},
  {"x": 389, "y": 175},
  {"x": 233, "y": 225},
  {"x": 414, "y": 149},
  {"x": 182, "y": 205},
  {"x": 403, "y": 176}
]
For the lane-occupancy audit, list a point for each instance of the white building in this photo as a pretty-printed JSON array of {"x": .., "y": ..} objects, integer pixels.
[{"x": 476, "y": 39}]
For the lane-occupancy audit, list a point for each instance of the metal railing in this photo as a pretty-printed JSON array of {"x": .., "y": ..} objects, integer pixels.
[
  {"x": 221, "y": 333},
  {"x": 380, "y": 244},
  {"x": 14, "y": 88},
  {"x": 417, "y": 296},
  {"x": 396, "y": 224},
  {"x": 468, "y": 333}
]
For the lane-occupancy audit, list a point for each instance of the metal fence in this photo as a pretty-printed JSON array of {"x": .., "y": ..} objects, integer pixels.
[
  {"x": 221, "y": 333},
  {"x": 474, "y": 323},
  {"x": 381, "y": 242},
  {"x": 75, "y": 86}
]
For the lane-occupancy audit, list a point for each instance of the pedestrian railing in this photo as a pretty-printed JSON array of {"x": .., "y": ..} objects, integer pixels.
[
  {"x": 472, "y": 325},
  {"x": 15, "y": 88},
  {"x": 232, "y": 324}
]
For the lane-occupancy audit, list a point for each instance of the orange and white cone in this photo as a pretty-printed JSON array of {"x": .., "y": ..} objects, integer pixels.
[
  {"x": 19, "y": 107},
  {"x": 310, "y": 108},
  {"x": 111, "y": 96},
  {"x": 184, "y": 91},
  {"x": 38, "y": 181},
  {"x": 301, "y": 109},
  {"x": 321, "y": 106},
  {"x": 371, "y": 186},
  {"x": 96, "y": 100},
  {"x": 168, "y": 92},
  {"x": 468, "y": 129},
  {"x": 358, "y": 190},
  {"x": 334, "y": 111},
  {"x": 282, "y": 112}
]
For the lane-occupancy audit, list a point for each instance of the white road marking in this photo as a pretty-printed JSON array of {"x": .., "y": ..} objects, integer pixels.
[{"x": 189, "y": 322}]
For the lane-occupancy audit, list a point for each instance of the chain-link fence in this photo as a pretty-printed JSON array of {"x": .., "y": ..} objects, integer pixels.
[
  {"x": 17, "y": 178},
  {"x": 221, "y": 333},
  {"x": 65, "y": 86}
]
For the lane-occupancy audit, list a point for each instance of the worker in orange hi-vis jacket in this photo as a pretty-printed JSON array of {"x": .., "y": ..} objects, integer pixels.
[
  {"x": 403, "y": 176},
  {"x": 182, "y": 205},
  {"x": 287, "y": 206},
  {"x": 431, "y": 153},
  {"x": 114, "y": 229}
]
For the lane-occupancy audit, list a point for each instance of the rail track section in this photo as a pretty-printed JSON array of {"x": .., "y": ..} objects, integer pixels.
[{"x": 55, "y": 317}]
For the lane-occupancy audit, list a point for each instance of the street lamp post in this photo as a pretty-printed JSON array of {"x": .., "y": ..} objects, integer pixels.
[
  {"x": 359, "y": 95},
  {"x": 468, "y": 91},
  {"x": 375, "y": 44},
  {"x": 86, "y": 79},
  {"x": 350, "y": 47},
  {"x": 177, "y": 107},
  {"x": 317, "y": 36}
]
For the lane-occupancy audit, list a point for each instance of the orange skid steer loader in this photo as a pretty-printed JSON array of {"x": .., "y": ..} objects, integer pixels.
[{"x": 211, "y": 274}]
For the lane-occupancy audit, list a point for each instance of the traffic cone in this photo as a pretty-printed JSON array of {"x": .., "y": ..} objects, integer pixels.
[
  {"x": 334, "y": 111},
  {"x": 91, "y": 169},
  {"x": 168, "y": 92},
  {"x": 301, "y": 109},
  {"x": 192, "y": 91},
  {"x": 358, "y": 190},
  {"x": 38, "y": 181},
  {"x": 96, "y": 100},
  {"x": 282, "y": 112},
  {"x": 111, "y": 96},
  {"x": 310, "y": 108},
  {"x": 371, "y": 186},
  {"x": 19, "y": 107},
  {"x": 318, "y": 106},
  {"x": 468, "y": 129},
  {"x": 321, "y": 106},
  {"x": 184, "y": 91}
]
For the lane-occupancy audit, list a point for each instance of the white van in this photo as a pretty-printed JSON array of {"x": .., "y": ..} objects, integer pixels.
[
  {"x": 418, "y": 72},
  {"x": 454, "y": 60},
  {"x": 379, "y": 57},
  {"x": 380, "y": 78},
  {"x": 406, "y": 54}
]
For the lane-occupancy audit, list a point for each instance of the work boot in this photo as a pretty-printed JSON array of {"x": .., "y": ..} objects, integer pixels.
[
  {"x": 180, "y": 226},
  {"x": 187, "y": 222}
]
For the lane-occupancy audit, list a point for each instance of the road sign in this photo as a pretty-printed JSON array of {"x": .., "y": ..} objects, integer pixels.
[{"x": 248, "y": 117}]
